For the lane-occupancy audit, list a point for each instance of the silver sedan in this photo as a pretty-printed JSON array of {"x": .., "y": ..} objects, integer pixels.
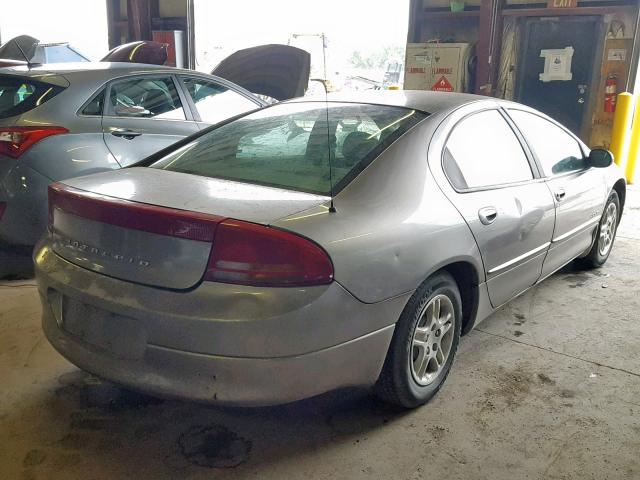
[{"x": 316, "y": 245}]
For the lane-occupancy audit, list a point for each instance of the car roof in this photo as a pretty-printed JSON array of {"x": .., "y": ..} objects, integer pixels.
[
  {"x": 52, "y": 44},
  {"x": 422, "y": 100},
  {"x": 94, "y": 74},
  {"x": 72, "y": 68}
]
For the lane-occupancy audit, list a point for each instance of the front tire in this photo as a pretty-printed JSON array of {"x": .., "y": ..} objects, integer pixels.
[
  {"x": 424, "y": 344},
  {"x": 605, "y": 235}
]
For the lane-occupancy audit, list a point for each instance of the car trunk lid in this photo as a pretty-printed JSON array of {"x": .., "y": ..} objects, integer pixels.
[
  {"x": 277, "y": 71},
  {"x": 156, "y": 227}
]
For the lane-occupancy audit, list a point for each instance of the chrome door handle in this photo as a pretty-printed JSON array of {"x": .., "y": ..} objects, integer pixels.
[
  {"x": 125, "y": 133},
  {"x": 487, "y": 215},
  {"x": 559, "y": 194}
]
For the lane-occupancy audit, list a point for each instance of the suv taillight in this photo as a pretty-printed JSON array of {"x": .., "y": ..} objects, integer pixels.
[
  {"x": 14, "y": 141},
  {"x": 249, "y": 254}
]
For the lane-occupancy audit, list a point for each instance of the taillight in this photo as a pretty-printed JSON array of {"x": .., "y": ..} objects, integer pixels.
[
  {"x": 3, "y": 207},
  {"x": 14, "y": 141},
  {"x": 132, "y": 215},
  {"x": 249, "y": 254}
]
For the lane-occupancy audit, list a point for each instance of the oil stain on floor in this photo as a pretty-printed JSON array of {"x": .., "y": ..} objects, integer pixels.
[{"x": 214, "y": 446}]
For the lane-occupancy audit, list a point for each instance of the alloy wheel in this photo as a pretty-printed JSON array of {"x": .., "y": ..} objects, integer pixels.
[
  {"x": 607, "y": 229},
  {"x": 432, "y": 340}
]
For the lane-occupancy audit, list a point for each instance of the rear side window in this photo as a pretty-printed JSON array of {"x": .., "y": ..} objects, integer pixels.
[
  {"x": 557, "y": 151},
  {"x": 483, "y": 151},
  {"x": 19, "y": 95},
  {"x": 288, "y": 145},
  {"x": 146, "y": 98},
  {"x": 95, "y": 106},
  {"x": 216, "y": 102}
]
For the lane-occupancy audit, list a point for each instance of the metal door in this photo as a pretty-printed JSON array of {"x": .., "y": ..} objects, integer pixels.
[
  {"x": 513, "y": 228},
  {"x": 578, "y": 190},
  {"x": 509, "y": 211},
  {"x": 565, "y": 99},
  {"x": 579, "y": 201},
  {"x": 144, "y": 114}
]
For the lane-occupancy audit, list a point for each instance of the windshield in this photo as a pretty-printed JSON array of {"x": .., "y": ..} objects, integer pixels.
[{"x": 288, "y": 145}]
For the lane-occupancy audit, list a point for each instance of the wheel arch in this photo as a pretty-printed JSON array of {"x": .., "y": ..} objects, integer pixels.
[
  {"x": 466, "y": 277},
  {"x": 620, "y": 188}
]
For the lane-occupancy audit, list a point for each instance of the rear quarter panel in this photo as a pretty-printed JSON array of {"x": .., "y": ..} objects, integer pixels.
[
  {"x": 392, "y": 227},
  {"x": 24, "y": 181},
  {"x": 70, "y": 155},
  {"x": 80, "y": 152}
]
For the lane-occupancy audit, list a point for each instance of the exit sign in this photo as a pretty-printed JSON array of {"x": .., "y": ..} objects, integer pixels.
[{"x": 562, "y": 3}]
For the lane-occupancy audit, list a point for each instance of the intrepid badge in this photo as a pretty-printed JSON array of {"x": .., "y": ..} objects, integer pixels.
[{"x": 83, "y": 247}]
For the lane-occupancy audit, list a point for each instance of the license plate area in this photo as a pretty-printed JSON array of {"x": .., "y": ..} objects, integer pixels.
[{"x": 122, "y": 336}]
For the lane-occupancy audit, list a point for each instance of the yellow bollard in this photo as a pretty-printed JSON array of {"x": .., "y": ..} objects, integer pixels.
[
  {"x": 634, "y": 145},
  {"x": 621, "y": 126}
]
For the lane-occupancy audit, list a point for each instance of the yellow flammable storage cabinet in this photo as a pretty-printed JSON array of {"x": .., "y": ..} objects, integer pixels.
[{"x": 440, "y": 67}]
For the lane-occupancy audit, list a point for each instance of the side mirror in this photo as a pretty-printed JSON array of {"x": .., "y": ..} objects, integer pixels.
[{"x": 600, "y": 158}]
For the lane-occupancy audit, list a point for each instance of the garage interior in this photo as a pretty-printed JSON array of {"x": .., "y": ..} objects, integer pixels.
[{"x": 548, "y": 387}]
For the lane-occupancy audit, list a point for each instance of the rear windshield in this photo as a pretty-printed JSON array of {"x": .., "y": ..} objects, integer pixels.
[
  {"x": 19, "y": 95},
  {"x": 288, "y": 145}
]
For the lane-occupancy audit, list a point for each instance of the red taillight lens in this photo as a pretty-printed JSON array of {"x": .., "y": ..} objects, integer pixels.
[
  {"x": 249, "y": 254},
  {"x": 14, "y": 141},
  {"x": 3, "y": 207},
  {"x": 134, "y": 216}
]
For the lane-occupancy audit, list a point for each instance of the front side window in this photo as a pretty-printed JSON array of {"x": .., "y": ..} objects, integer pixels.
[
  {"x": 216, "y": 102},
  {"x": 146, "y": 98},
  {"x": 483, "y": 151},
  {"x": 289, "y": 145},
  {"x": 557, "y": 151}
]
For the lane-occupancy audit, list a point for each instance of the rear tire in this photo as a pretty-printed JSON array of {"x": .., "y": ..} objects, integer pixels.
[
  {"x": 605, "y": 235},
  {"x": 424, "y": 344}
]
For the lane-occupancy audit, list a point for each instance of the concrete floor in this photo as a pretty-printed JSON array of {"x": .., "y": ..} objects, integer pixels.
[{"x": 547, "y": 388}]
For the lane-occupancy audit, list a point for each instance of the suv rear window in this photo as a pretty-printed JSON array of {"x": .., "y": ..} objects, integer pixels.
[
  {"x": 287, "y": 145},
  {"x": 19, "y": 95}
]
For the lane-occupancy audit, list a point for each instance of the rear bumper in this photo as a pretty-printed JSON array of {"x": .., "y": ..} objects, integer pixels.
[
  {"x": 25, "y": 193},
  {"x": 231, "y": 380},
  {"x": 218, "y": 343}
]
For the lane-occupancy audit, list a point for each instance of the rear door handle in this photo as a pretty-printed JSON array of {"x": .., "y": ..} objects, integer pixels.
[
  {"x": 488, "y": 215},
  {"x": 126, "y": 133},
  {"x": 559, "y": 194}
]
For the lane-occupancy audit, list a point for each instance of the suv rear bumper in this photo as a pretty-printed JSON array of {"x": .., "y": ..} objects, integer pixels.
[{"x": 25, "y": 193}]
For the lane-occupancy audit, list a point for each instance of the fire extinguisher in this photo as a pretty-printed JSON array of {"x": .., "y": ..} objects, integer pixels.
[{"x": 610, "y": 92}]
